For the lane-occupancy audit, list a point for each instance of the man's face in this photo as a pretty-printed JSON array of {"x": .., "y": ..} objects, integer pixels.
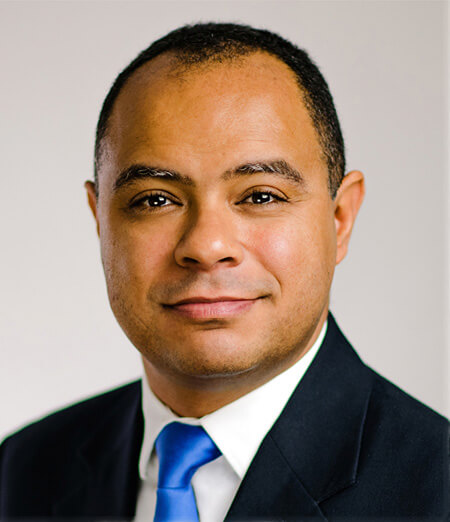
[{"x": 248, "y": 222}]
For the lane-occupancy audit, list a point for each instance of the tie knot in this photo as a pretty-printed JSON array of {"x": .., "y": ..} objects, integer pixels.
[{"x": 181, "y": 450}]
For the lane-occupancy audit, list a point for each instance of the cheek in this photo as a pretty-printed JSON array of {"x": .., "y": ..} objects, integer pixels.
[
  {"x": 133, "y": 255},
  {"x": 277, "y": 250},
  {"x": 299, "y": 252}
]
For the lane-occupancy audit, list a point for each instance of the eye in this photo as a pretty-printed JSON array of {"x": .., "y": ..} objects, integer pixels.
[
  {"x": 262, "y": 197},
  {"x": 152, "y": 201}
]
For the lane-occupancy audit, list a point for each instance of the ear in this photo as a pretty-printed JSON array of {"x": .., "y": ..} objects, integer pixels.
[
  {"x": 346, "y": 205},
  {"x": 92, "y": 200}
]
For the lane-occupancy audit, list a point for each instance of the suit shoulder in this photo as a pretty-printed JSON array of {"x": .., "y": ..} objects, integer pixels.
[
  {"x": 401, "y": 426},
  {"x": 59, "y": 427},
  {"x": 399, "y": 404}
]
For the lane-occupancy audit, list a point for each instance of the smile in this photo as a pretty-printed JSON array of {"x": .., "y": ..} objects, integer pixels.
[{"x": 212, "y": 309}]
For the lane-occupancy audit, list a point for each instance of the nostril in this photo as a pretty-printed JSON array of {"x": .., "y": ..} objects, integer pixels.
[
  {"x": 190, "y": 260},
  {"x": 226, "y": 259}
]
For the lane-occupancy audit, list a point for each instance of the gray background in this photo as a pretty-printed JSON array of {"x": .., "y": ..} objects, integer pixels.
[{"x": 386, "y": 66}]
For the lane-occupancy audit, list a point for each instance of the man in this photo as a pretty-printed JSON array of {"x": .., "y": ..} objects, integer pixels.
[{"x": 222, "y": 209}]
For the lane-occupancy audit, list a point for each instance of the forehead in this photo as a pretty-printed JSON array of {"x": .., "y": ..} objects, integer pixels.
[{"x": 215, "y": 108}]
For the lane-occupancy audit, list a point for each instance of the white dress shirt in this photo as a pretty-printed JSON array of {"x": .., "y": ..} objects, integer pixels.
[{"x": 237, "y": 429}]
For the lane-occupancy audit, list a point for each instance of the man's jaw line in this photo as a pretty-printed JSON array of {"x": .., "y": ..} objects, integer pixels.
[{"x": 196, "y": 395}]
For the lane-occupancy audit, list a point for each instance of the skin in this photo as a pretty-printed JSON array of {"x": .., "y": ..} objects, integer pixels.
[{"x": 213, "y": 237}]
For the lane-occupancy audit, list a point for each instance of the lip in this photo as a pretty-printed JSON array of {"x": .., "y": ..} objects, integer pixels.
[{"x": 212, "y": 307}]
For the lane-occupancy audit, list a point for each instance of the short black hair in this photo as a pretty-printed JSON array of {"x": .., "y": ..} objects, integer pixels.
[{"x": 204, "y": 42}]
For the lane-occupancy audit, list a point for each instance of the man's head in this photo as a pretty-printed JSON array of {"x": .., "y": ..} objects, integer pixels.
[{"x": 214, "y": 186}]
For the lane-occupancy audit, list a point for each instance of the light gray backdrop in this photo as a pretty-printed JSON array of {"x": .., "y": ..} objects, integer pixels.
[{"x": 385, "y": 63}]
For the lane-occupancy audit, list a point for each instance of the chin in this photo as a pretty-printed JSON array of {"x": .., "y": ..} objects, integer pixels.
[
  {"x": 210, "y": 364},
  {"x": 218, "y": 365}
]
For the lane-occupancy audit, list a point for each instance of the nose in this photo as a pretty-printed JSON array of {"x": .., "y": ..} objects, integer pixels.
[{"x": 210, "y": 239}]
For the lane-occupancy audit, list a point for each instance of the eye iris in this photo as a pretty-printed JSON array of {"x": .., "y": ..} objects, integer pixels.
[
  {"x": 261, "y": 197},
  {"x": 156, "y": 200}
]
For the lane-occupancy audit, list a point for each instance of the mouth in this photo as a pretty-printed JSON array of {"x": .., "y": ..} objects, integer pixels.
[{"x": 212, "y": 308}]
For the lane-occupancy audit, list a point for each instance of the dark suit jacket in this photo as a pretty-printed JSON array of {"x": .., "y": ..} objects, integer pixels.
[{"x": 348, "y": 445}]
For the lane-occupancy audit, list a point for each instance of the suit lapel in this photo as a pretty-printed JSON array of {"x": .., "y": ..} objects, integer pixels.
[
  {"x": 271, "y": 490},
  {"x": 105, "y": 467},
  {"x": 311, "y": 453}
]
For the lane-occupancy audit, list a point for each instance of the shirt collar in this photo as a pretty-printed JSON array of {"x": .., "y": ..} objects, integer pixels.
[{"x": 237, "y": 428}]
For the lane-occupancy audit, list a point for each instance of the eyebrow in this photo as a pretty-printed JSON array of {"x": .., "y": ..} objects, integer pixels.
[
  {"x": 137, "y": 172},
  {"x": 278, "y": 167}
]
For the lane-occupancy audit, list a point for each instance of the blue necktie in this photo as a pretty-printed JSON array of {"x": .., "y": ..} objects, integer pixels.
[{"x": 181, "y": 450}]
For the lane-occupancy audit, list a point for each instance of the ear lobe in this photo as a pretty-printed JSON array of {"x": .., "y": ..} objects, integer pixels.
[
  {"x": 92, "y": 201},
  {"x": 347, "y": 203}
]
